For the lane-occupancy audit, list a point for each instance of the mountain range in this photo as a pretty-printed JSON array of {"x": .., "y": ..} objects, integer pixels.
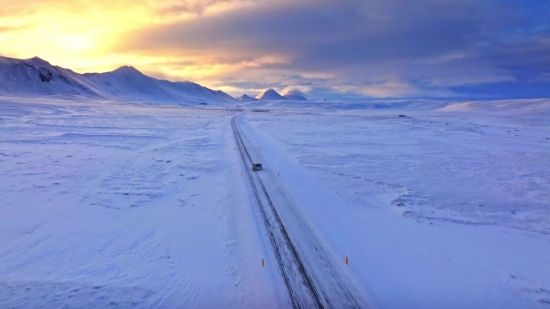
[
  {"x": 37, "y": 77},
  {"x": 272, "y": 95}
]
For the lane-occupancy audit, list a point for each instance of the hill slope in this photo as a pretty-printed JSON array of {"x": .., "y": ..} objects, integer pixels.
[
  {"x": 295, "y": 95},
  {"x": 36, "y": 77}
]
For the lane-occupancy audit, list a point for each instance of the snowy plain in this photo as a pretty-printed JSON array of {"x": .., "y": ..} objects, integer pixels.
[
  {"x": 117, "y": 205},
  {"x": 112, "y": 204},
  {"x": 445, "y": 208}
]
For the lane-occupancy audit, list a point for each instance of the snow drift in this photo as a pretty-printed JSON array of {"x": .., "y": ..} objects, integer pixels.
[{"x": 518, "y": 106}]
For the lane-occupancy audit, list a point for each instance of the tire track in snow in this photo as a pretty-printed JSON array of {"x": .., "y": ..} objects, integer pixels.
[{"x": 305, "y": 290}]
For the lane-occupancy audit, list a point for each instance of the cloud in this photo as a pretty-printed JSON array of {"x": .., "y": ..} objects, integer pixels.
[
  {"x": 365, "y": 45},
  {"x": 5, "y": 29},
  {"x": 345, "y": 47},
  {"x": 198, "y": 7}
]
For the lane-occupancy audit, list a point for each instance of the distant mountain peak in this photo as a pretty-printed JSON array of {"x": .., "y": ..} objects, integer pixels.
[
  {"x": 246, "y": 98},
  {"x": 270, "y": 94},
  {"x": 295, "y": 94}
]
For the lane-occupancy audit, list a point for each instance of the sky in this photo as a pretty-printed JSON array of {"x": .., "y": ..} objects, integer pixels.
[{"x": 325, "y": 48}]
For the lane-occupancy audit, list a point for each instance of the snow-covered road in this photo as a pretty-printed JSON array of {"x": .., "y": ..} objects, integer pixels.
[{"x": 311, "y": 276}]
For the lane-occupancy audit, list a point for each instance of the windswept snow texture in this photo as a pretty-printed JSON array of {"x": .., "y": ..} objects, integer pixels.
[
  {"x": 112, "y": 204},
  {"x": 36, "y": 77},
  {"x": 438, "y": 209},
  {"x": 119, "y": 206}
]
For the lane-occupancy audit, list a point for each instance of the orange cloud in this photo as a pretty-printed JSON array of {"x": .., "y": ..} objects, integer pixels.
[
  {"x": 345, "y": 46},
  {"x": 86, "y": 35}
]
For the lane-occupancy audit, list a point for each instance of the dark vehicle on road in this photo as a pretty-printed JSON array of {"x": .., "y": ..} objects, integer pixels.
[{"x": 256, "y": 166}]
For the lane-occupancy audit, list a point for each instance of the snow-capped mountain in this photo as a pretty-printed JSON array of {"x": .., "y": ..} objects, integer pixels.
[
  {"x": 38, "y": 77},
  {"x": 295, "y": 95},
  {"x": 246, "y": 98},
  {"x": 35, "y": 77},
  {"x": 270, "y": 94}
]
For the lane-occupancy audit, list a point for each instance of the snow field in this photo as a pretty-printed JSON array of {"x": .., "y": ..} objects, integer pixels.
[
  {"x": 125, "y": 206},
  {"x": 401, "y": 197},
  {"x": 108, "y": 204}
]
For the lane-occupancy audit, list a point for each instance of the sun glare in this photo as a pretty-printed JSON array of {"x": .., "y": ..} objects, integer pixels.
[{"x": 87, "y": 37}]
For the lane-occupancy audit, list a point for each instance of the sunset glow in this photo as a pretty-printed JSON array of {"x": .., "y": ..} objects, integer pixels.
[
  {"x": 373, "y": 48},
  {"x": 298, "y": 154}
]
